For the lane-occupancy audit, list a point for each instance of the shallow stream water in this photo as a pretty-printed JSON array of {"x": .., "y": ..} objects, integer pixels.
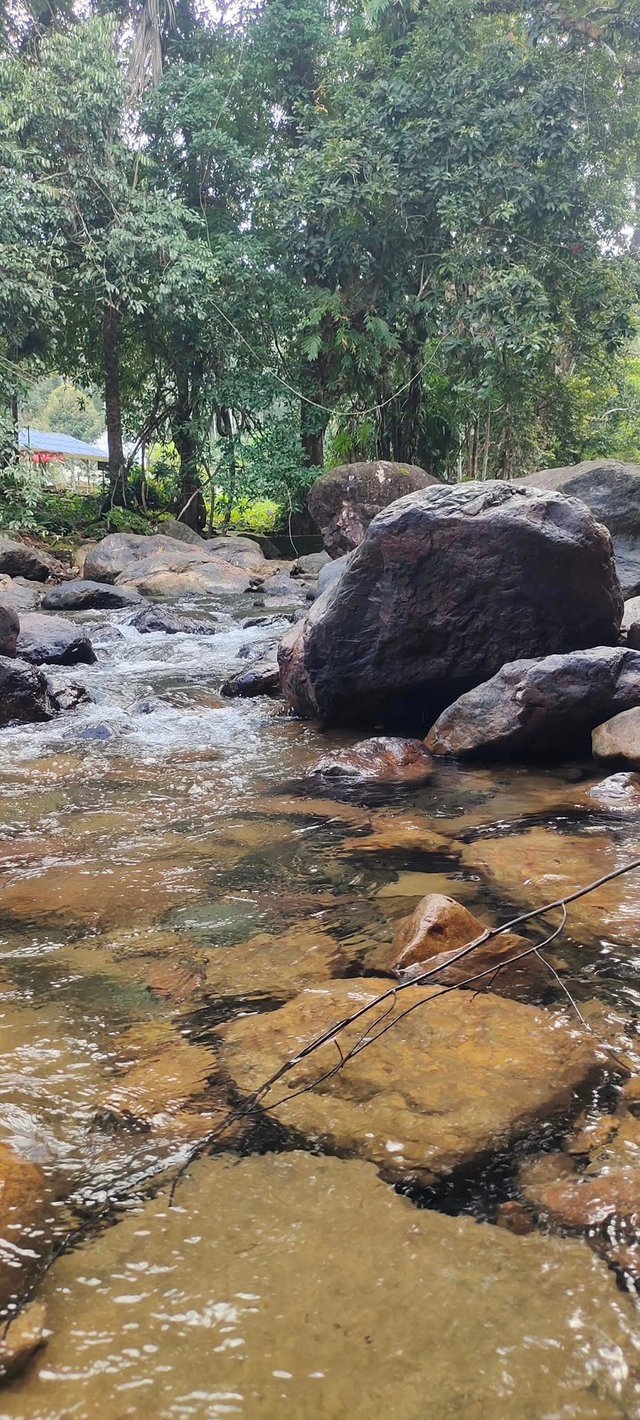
[{"x": 167, "y": 868}]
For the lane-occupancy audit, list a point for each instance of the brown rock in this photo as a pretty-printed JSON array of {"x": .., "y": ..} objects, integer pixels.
[
  {"x": 344, "y": 501},
  {"x": 432, "y": 1316},
  {"x": 438, "y": 929},
  {"x": 608, "y": 1189},
  {"x": 384, "y": 760},
  {"x": 24, "y": 1200},
  {"x": 617, "y": 741},
  {"x": 160, "y": 1084},
  {"x": 273, "y": 964},
  {"x": 514, "y": 1218},
  {"x": 428, "y": 606},
  {"x": 449, "y": 1085}
]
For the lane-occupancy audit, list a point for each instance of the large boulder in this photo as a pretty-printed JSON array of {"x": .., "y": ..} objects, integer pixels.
[
  {"x": 449, "y": 584},
  {"x": 612, "y": 491},
  {"x": 24, "y": 693},
  {"x": 17, "y": 559},
  {"x": 53, "y": 640},
  {"x": 132, "y": 559},
  {"x": 80, "y": 595},
  {"x": 171, "y": 623},
  {"x": 344, "y": 501},
  {"x": 9, "y": 630},
  {"x": 539, "y": 707},
  {"x": 458, "y": 1078}
]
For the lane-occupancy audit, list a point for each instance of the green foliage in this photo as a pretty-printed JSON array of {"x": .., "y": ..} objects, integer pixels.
[
  {"x": 392, "y": 230},
  {"x": 55, "y": 403}
]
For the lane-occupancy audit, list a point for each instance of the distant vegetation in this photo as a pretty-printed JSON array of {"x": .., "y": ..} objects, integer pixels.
[{"x": 292, "y": 234}]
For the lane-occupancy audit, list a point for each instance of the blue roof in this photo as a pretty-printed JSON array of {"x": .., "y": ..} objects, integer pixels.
[{"x": 43, "y": 441}]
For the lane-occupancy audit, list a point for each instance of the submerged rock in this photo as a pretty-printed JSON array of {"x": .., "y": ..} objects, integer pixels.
[
  {"x": 539, "y": 707},
  {"x": 604, "y": 1192},
  {"x": 81, "y": 595},
  {"x": 611, "y": 490},
  {"x": 172, "y": 623},
  {"x": 9, "y": 630},
  {"x": 24, "y": 1208},
  {"x": 617, "y": 741},
  {"x": 385, "y": 760},
  {"x": 25, "y": 1335},
  {"x": 428, "y": 606},
  {"x": 53, "y": 640},
  {"x": 542, "y": 864},
  {"x": 278, "y": 1306},
  {"x": 452, "y": 1083},
  {"x": 24, "y": 693},
  {"x": 344, "y": 501}
]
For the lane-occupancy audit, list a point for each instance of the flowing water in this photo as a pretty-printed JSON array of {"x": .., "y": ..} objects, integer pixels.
[{"x": 167, "y": 869}]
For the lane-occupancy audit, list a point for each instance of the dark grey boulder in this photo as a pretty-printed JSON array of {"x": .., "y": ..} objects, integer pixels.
[
  {"x": 52, "y": 640},
  {"x": 260, "y": 678},
  {"x": 17, "y": 559},
  {"x": 24, "y": 693},
  {"x": 9, "y": 630},
  {"x": 448, "y": 585},
  {"x": 172, "y": 623},
  {"x": 344, "y": 501},
  {"x": 310, "y": 565},
  {"x": 611, "y": 490},
  {"x": 539, "y": 707},
  {"x": 82, "y": 595}
]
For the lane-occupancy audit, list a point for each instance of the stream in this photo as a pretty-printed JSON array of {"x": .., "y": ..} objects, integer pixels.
[{"x": 167, "y": 868}]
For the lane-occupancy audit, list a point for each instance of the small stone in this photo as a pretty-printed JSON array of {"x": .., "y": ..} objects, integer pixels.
[
  {"x": 384, "y": 760},
  {"x": 514, "y": 1218},
  {"x": 25, "y": 1335}
]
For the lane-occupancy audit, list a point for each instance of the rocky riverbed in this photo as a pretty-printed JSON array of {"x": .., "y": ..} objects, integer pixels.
[{"x": 196, "y": 883}]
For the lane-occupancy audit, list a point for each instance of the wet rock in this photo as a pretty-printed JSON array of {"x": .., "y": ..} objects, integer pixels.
[
  {"x": 424, "y": 1100},
  {"x": 20, "y": 594},
  {"x": 52, "y": 640},
  {"x": 514, "y": 1218},
  {"x": 384, "y": 760},
  {"x": 24, "y": 693},
  {"x": 172, "y": 623},
  {"x": 9, "y": 630},
  {"x": 70, "y": 696},
  {"x": 438, "y": 930},
  {"x": 313, "y": 1324},
  {"x": 24, "y": 1208},
  {"x": 261, "y": 678},
  {"x": 390, "y": 832},
  {"x": 81, "y": 595},
  {"x": 84, "y": 894},
  {"x": 17, "y": 559},
  {"x": 617, "y": 741},
  {"x": 539, "y": 707},
  {"x": 542, "y": 864},
  {"x": 344, "y": 501},
  {"x": 99, "y": 732},
  {"x": 428, "y": 608},
  {"x": 202, "y": 579},
  {"x": 611, "y": 490},
  {"x": 27, "y": 1334}
]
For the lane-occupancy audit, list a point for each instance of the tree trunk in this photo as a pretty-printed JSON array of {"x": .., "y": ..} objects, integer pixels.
[
  {"x": 191, "y": 501},
  {"x": 113, "y": 409}
]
